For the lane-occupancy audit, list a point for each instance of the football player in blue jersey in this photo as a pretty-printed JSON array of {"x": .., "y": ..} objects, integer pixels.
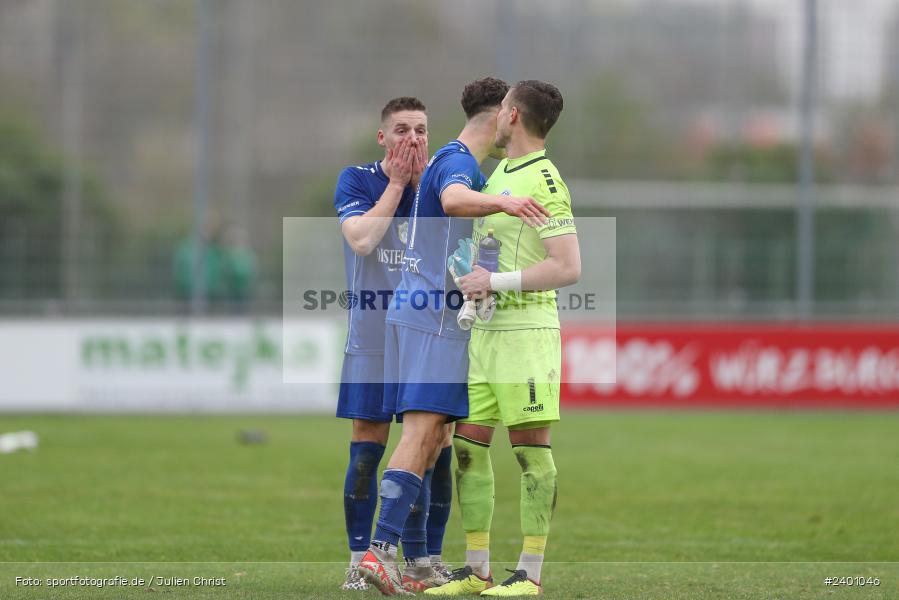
[
  {"x": 425, "y": 356},
  {"x": 373, "y": 202}
]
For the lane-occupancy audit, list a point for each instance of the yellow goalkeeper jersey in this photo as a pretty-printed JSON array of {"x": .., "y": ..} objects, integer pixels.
[{"x": 520, "y": 245}]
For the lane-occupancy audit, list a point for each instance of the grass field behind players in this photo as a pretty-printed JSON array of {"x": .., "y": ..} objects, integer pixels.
[{"x": 651, "y": 505}]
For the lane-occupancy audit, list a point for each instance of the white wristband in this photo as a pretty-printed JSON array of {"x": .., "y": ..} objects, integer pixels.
[{"x": 506, "y": 282}]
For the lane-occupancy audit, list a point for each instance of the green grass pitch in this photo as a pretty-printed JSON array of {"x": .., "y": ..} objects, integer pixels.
[{"x": 652, "y": 505}]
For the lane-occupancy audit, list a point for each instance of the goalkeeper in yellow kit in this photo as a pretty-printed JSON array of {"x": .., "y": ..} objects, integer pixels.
[{"x": 516, "y": 356}]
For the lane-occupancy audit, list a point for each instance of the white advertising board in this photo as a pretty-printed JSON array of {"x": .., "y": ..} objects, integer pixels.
[{"x": 168, "y": 365}]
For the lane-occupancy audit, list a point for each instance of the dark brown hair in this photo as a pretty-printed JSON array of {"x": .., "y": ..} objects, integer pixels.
[
  {"x": 482, "y": 95},
  {"x": 540, "y": 104},
  {"x": 401, "y": 103}
]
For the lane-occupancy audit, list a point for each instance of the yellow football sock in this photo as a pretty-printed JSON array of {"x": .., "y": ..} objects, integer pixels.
[
  {"x": 534, "y": 544},
  {"x": 478, "y": 540}
]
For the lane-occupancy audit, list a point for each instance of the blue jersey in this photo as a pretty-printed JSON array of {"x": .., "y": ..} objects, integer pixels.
[
  {"x": 370, "y": 279},
  {"x": 426, "y": 298}
]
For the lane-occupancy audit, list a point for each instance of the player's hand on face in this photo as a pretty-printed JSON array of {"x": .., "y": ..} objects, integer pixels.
[
  {"x": 400, "y": 162},
  {"x": 411, "y": 154},
  {"x": 420, "y": 161},
  {"x": 392, "y": 162},
  {"x": 527, "y": 209},
  {"x": 476, "y": 285}
]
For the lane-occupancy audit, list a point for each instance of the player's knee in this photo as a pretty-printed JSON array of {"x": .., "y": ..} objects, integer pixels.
[
  {"x": 470, "y": 455},
  {"x": 365, "y": 464},
  {"x": 360, "y": 482},
  {"x": 539, "y": 488},
  {"x": 422, "y": 422},
  {"x": 542, "y": 482},
  {"x": 435, "y": 454},
  {"x": 370, "y": 431},
  {"x": 481, "y": 434},
  {"x": 422, "y": 442},
  {"x": 537, "y": 460},
  {"x": 538, "y": 470},
  {"x": 533, "y": 434},
  {"x": 447, "y": 435}
]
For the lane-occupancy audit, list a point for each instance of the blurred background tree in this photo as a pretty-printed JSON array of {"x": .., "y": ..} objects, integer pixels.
[{"x": 31, "y": 193}]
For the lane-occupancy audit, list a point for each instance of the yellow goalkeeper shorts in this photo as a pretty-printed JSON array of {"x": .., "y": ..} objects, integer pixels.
[{"x": 514, "y": 376}]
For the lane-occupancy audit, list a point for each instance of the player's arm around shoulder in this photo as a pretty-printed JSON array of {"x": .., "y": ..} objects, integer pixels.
[
  {"x": 560, "y": 268},
  {"x": 459, "y": 199}
]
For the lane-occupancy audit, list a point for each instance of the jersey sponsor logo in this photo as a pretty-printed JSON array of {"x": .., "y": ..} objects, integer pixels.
[
  {"x": 532, "y": 397},
  {"x": 392, "y": 257},
  {"x": 462, "y": 176},
  {"x": 555, "y": 223},
  {"x": 369, "y": 169},
  {"x": 346, "y": 206},
  {"x": 506, "y": 192},
  {"x": 411, "y": 264}
]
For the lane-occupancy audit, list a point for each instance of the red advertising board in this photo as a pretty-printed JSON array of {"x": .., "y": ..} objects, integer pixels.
[{"x": 729, "y": 364}]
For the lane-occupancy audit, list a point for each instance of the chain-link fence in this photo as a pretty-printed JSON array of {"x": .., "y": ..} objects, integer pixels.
[{"x": 99, "y": 140}]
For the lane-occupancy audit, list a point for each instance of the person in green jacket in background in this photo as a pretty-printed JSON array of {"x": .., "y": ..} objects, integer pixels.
[{"x": 239, "y": 268}]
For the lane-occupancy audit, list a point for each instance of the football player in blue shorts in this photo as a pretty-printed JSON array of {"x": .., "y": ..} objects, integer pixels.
[
  {"x": 425, "y": 355},
  {"x": 373, "y": 203}
]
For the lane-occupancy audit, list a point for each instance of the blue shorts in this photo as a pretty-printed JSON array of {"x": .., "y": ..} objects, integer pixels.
[
  {"x": 425, "y": 372},
  {"x": 362, "y": 388}
]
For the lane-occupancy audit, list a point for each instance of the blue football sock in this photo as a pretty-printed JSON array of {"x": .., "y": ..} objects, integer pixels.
[
  {"x": 360, "y": 492},
  {"x": 399, "y": 490},
  {"x": 441, "y": 501},
  {"x": 414, "y": 533}
]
